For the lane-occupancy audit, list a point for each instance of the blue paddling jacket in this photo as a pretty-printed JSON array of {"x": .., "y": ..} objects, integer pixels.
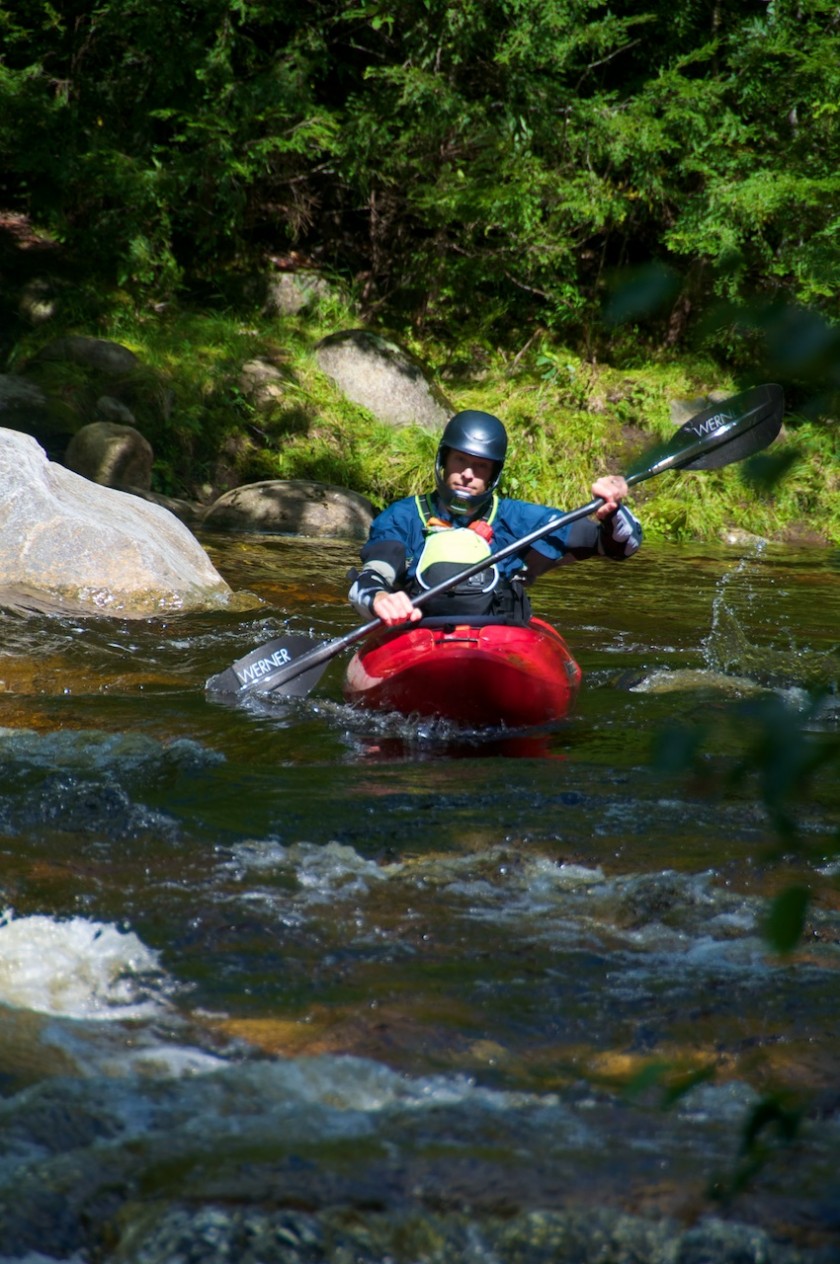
[{"x": 398, "y": 535}]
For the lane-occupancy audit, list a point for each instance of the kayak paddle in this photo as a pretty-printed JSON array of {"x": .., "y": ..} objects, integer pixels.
[{"x": 729, "y": 431}]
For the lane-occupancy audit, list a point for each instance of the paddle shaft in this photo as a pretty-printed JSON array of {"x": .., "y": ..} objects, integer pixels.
[
  {"x": 321, "y": 653},
  {"x": 708, "y": 438},
  {"x": 713, "y": 431}
]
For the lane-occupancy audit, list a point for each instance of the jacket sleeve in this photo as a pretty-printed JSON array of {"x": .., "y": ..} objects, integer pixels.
[
  {"x": 617, "y": 537},
  {"x": 383, "y": 567},
  {"x": 385, "y": 556}
]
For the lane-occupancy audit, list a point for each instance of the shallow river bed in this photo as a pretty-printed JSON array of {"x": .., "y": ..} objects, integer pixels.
[{"x": 286, "y": 983}]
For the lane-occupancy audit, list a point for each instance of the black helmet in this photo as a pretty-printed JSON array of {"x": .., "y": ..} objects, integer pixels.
[{"x": 479, "y": 434}]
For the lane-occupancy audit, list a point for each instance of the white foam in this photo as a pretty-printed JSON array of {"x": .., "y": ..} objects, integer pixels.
[
  {"x": 76, "y": 968},
  {"x": 321, "y": 871}
]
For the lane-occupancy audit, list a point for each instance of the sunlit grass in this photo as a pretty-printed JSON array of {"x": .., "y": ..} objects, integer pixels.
[{"x": 568, "y": 420}]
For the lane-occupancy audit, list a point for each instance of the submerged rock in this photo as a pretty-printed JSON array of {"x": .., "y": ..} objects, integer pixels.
[
  {"x": 738, "y": 537},
  {"x": 70, "y": 545},
  {"x": 693, "y": 679},
  {"x": 217, "y": 1234}
]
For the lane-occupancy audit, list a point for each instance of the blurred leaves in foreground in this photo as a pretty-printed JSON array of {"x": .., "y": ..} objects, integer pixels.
[{"x": 780, "y": 748}]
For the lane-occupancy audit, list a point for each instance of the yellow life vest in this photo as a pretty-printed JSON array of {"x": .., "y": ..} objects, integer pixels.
[{"x": 450, "y": 548}]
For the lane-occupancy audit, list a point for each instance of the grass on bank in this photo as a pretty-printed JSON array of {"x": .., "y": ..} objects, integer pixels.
[{"x": 568, "y": 420}]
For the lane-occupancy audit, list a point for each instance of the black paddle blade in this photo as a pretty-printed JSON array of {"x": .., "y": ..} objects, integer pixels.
[
  {"x": 259, "y": 667},
  {"x": 744, "y": 424},
  {"x": 718, "y": 436}
]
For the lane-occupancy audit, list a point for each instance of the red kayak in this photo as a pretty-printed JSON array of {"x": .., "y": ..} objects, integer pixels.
[{"x": 479, "y": 673}]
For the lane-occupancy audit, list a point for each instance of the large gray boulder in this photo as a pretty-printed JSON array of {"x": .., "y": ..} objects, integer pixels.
[
  {"x": 383, "y": 378},
  {"x": 293, "y": 507},
  {"x": 70, "y": 545}
]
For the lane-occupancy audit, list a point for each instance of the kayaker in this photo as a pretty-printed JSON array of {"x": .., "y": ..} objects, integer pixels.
[{"x": 421, "y": 540}]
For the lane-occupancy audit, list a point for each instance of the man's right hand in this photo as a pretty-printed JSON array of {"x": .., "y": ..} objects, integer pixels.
[{"x": 395, "y": 607}]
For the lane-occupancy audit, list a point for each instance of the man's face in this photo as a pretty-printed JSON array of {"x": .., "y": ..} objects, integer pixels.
[{"x": 470, "y": 475}]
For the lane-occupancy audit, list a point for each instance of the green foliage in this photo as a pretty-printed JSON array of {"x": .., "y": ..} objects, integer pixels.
[
  {"x": 785, "y": 920},
  {"x": 348, "y": 453},
  {"x": 771, "y": 1126},
  {"x": 797, "y": 482},
  {"x": 485, "y": 164},
  {"x": 780, "y": 751},
  {"x": 163, "y": 119},
  {"x": 569, "y": 419},
  {"x": 794, "y": 486}
]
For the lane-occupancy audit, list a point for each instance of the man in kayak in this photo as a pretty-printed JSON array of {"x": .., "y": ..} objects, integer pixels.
[{"x": 420, "y": 541}]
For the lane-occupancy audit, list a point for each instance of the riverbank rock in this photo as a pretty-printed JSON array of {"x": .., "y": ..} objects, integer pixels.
[
  {"x": 26, "y": 407},
  {"x": 71, "y": 546},
  {"x": 294, "y": 507},
  {"x": 290, "y": 293},
  {"x": 39, "y": 299},
  {"x": 383, "y": 378},
  {"x": 110, "y": 359},
  {"x": 20, "y": 398},
  {"x": 111, "y": 454},
  {"x": 737, "y": 537},
  {"x": 682, "y": 410},
  {"x": 191, "y": 512},
  {"x": 262, "y": 383},
  {"x": 76, "y": 381}
]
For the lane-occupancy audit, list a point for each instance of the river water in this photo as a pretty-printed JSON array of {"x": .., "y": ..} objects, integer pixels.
[{"x": 287, "y": 983}]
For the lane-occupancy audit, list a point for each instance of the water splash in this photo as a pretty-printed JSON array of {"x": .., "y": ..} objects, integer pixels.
[
  {"x": 732, "y": 648},
  {"x": 727, "y": 648}
]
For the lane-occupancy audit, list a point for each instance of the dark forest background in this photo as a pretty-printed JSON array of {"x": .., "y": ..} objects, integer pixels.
[{"x": 462, "y": 163}]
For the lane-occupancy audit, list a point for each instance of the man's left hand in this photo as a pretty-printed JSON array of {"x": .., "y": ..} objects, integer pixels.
[{"x": 611, "y": 488}]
